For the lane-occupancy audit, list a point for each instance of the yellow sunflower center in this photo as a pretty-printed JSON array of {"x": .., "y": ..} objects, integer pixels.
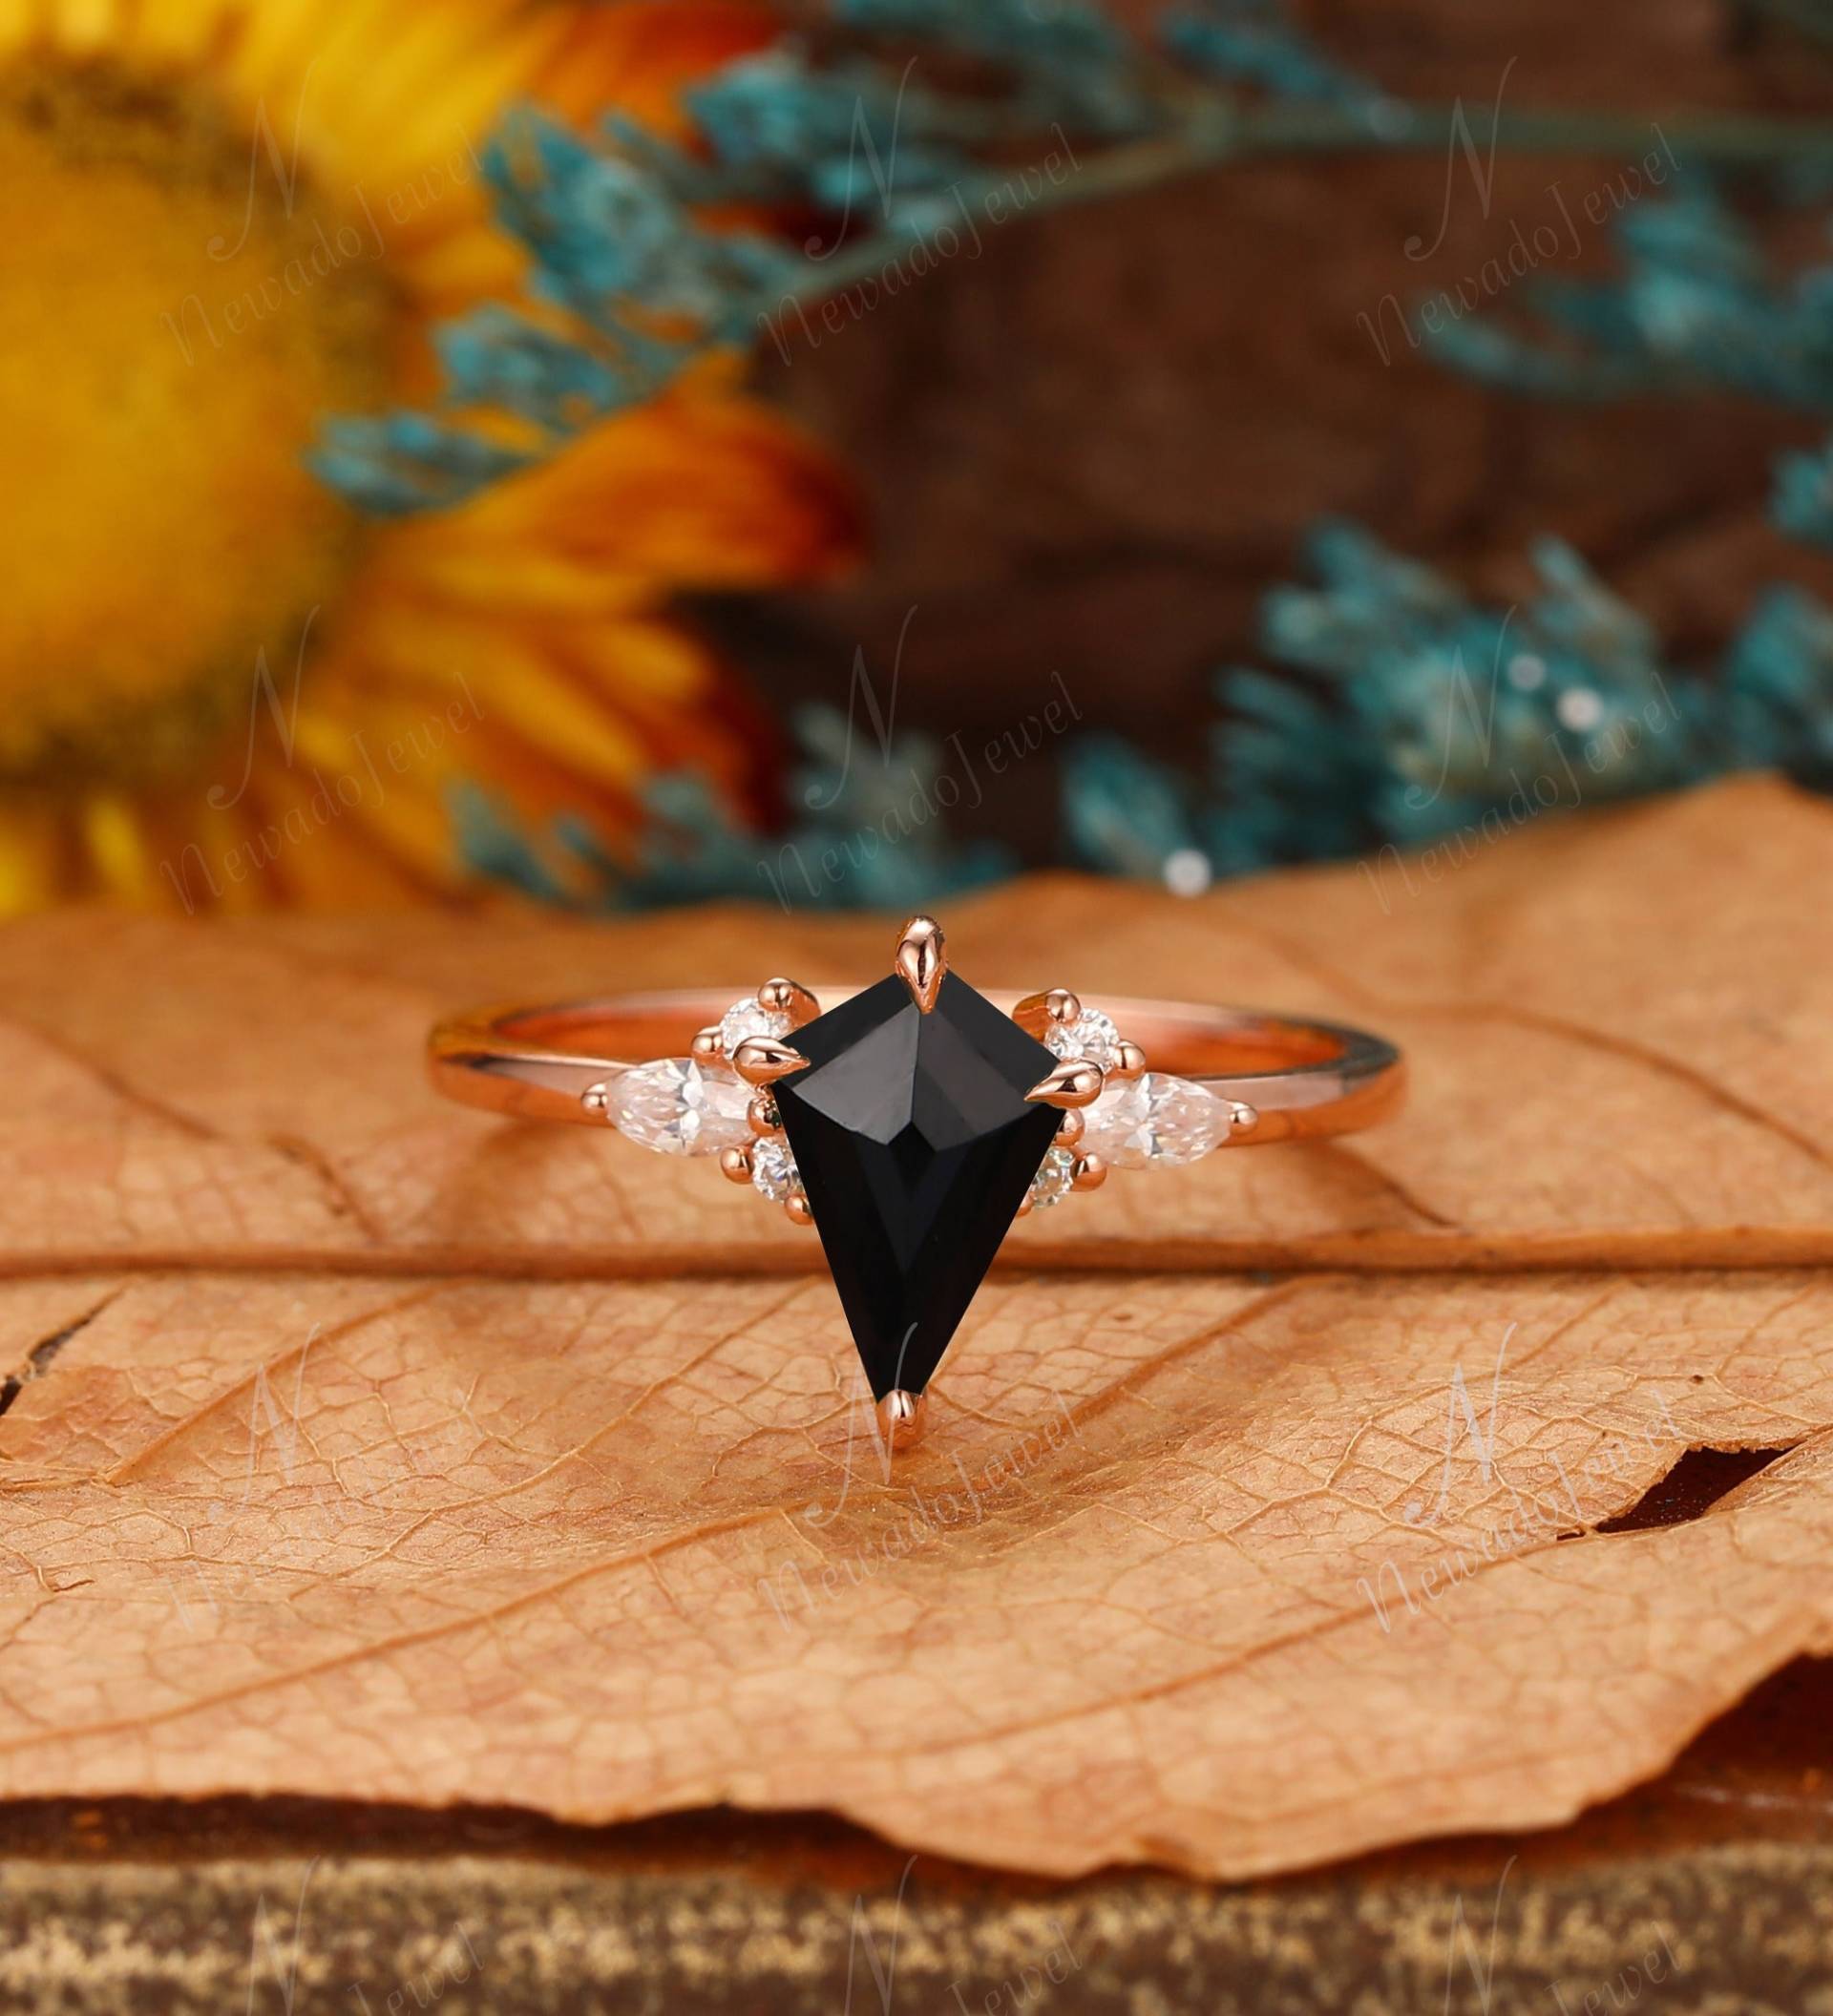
[{"x": 175, "y": 323}]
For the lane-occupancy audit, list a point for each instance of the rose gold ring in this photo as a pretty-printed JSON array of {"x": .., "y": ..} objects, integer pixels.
[{"x": 912, "y": 1121}]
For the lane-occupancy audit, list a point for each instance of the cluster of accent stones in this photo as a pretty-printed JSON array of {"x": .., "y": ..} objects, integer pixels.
[
  {"x": 698, "y": 1106},
  {"x": 914, "y": 1120},
  {"x": 1074, "y": 1034},
  {"x": 1141, "y": 1119}
]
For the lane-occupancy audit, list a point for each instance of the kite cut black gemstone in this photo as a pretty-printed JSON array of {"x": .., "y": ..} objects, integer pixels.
[{"x": 915, "y": 1146}]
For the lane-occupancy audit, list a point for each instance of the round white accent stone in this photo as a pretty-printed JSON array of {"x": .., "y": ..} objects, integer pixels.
[
  {"x": 1091, "y": 1034},
  {"x": 773, "y": 1171},
  {"x": 750, "y": 1017},
  {"x": 1055, "y": 1174},
  {"x": 1155, "y": 1122},
  {"x": 679, "y": 1107}
]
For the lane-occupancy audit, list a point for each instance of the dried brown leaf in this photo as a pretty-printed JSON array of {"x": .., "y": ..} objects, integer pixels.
[{"x": 312, "y": 1486}]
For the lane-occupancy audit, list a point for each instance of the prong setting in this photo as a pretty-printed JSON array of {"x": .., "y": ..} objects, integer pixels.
[
  {"x": 1090, "y": 1056},
  {"x": 1093, "y": 1056},
  {"x": 762, "y": 1060},
  {"x": 1055, "y": 1007},
  {"x": 782, "y": 997},
  {"x": 921, "y": 961},
  {"x": 1074, "y": 1083},
  {"x": 900, "y": 1418},
  {"x": 597, "y": 1101}
]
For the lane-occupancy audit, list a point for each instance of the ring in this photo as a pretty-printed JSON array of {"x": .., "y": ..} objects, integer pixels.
[{"x": 912, "y": 1121}]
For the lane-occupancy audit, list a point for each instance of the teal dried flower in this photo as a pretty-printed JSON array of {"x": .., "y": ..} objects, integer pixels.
[
  {"x": 1421, "y": 713},
  {"x": 1802, "y": 503},
  {"x": 1778, "y": 688},
  {"x": 1255, "y": 42},
  {"x": 871, "y": 833},
  {"x": 1067, "y": 58},
  {"x": 853, "y": 141},
  {"x": 1131, "y": 816}
]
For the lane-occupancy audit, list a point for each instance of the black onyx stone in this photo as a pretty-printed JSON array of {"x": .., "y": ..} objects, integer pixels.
[{"x": 915, "y": 1146}]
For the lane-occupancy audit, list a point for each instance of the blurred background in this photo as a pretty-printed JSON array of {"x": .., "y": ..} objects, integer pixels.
[{"x": 842, "y": 453}]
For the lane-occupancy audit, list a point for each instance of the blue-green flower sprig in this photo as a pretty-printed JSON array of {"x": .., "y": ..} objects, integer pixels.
[
  {"x": 631, "y": 285},
  {"x": 1802, "y": 501},
  {"x": 870, "y": 832},
  {"x": 1407, "y": 712},
  {"x": 1694, "y": 307},
  {"x": 1410, "y": 712},
  {"x": 854, "y": 155},
  {"x": 1778, "y": 688},
  {"x": 1067, "y": 60},
  {"x": 1255, "y": 42},
  {"x": 853, "y": 140}
]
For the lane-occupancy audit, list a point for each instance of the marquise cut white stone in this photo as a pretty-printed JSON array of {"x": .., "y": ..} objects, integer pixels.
[
  {"x": 680, "y": 1107},
  {"x": 1155, "y": 1122}
]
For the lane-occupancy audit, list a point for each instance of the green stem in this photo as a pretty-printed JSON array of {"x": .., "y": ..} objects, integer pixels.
[{"x": 1209, "y": 134}]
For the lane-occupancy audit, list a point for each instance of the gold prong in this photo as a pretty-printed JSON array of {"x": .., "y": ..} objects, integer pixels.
[
  {"x": 1088, "y": 1173},
  {"x": 781, "y": 996},
  {"x": 1038, "y": 1012},
  {"x": 1025, "y": 1206},
  {"x": 1243, "y": 1119},
  {"x": 1069, "y": 1127},
  {"x": 706, "y": 1044},
  {"x": 921, "y": 961},
  {"x": 762, "y": 1115},
  {"x": 900, "y": 1418},
  {"x": 736, "y": 1164},
  {"x": 1130, "y": 1061},
  {"x": 597, "y": 1101},
  {"x": 761, "y": 1060},
  {"x": 1074, "y": 1083},
  {"x": 796, "y": 1208}
]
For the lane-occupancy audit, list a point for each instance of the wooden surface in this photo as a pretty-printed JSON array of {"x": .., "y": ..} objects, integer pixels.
[
  {"x": 366, "y": 1449},
  {"x": 1720, "y": 1871}
]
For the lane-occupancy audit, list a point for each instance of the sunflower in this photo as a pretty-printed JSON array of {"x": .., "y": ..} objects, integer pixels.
[{"x": 220, "y": 683}]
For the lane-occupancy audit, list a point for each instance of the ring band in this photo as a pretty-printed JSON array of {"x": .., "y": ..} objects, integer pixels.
[
  {"x": 911, "y": 1121},
  {"x": 1305, "y": 1078}
]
